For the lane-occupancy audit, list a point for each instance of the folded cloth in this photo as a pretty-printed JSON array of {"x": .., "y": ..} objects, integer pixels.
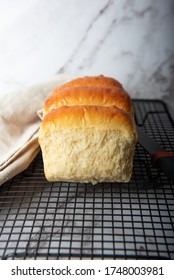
[{"x": 19, "y": 125}]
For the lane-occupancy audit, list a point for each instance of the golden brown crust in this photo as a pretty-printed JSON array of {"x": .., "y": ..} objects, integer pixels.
[
  {"x": 96, "y": 96},
  {"x": 97, "y": 81},
  {"x": 84, "y": 117}
]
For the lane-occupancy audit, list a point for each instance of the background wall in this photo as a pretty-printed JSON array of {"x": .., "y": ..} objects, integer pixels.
[{"x": 132, "y": 40}]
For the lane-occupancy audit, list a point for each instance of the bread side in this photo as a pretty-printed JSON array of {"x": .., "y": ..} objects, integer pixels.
[{"x": 89, "y": 156}]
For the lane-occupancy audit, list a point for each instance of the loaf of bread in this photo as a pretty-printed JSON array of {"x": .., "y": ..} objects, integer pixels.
[{"x": 88, "y": 134}]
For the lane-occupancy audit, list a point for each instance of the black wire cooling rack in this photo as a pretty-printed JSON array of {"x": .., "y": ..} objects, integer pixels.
[{"x": 42, "y": 220}]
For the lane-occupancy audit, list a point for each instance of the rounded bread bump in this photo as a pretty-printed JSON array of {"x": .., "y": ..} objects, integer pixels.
[
  {"x": 89, "y": 95},
  {"x": 97, "y": 81}
]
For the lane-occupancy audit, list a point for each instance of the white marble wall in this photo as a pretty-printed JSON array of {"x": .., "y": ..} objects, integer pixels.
[{"x": 132, "y": 40}]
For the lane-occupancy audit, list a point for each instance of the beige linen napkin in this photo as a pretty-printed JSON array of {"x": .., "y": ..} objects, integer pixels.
[{"x": 19, "y": 125}]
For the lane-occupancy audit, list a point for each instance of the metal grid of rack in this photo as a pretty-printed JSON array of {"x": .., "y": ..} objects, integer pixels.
[{"x": 43, "y": 220}]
